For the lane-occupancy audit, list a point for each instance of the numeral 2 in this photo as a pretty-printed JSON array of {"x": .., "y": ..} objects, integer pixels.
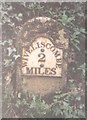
[{"x": 41, "y": 57}]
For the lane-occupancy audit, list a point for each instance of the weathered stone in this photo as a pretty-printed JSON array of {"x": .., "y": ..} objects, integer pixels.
[{"x": 43, "y": 45}]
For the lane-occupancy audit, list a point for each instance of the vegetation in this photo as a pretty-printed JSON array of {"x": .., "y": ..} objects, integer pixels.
[{"x": 69, "y": 102}]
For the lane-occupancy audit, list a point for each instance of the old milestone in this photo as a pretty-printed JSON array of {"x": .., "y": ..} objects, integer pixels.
[{"x": 43, "y": 45}]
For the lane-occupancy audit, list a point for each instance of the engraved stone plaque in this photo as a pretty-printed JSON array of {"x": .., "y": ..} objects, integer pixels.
[
  {"x": 43, "y": 45},
  {"x": 42, "y": 58}
]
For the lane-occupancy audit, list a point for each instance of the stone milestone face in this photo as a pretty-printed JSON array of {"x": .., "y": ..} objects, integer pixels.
[{"x": 43, "y": 45}]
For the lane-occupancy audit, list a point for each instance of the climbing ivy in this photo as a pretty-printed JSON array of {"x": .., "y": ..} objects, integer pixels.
[{"x": 69, "y": 102}]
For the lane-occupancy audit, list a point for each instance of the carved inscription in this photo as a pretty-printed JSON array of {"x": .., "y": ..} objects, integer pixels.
[{"x": 42, "y": 58}]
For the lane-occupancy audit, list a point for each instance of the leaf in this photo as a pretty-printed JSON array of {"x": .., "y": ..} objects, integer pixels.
[
  {"x": 82, "y": 30},
  {"x": 3, "y": 42},
  {"x": 11, "y": 50},
  {"x": 16, "y": 56},
  {"x": 65, "y": 19},
  {"x": 8, "y": 78},
  {"x": 7, "y": 62},
  {"x": 78, "y": 98}
]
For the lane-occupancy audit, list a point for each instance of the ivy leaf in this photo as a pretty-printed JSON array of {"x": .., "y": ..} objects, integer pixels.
[
  {"x": 78, "y": 98},
  {"x": 16, "y": 56},
  {"x": 11, "y": 50},
  {"x": 83, "y": 68},
  {"x": 82, "y": 30},
  {"x": 65, "y": 19},
  {"x": 7, "y": 62}
]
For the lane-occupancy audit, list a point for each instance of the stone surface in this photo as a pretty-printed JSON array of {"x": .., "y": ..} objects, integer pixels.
[{"x": 43, "y": 45}]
